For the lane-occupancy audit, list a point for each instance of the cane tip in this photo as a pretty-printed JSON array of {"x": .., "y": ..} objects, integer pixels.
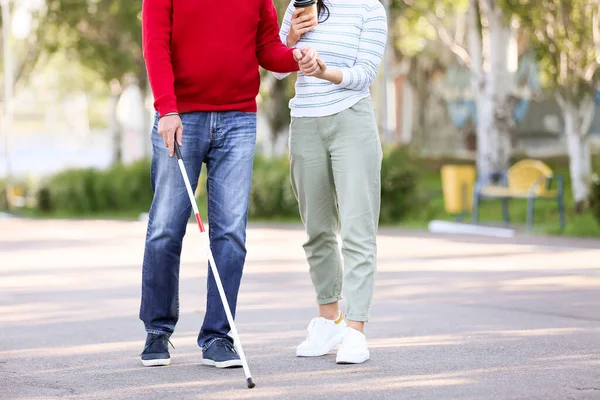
[{"x": 250, "y": 383}]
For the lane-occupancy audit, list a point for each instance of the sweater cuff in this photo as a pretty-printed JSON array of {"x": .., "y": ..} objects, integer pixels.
[
  {"x": 166, "y": 104},
  {"x": 347, "y": 78},
  {"x": 292, "y": 64}
]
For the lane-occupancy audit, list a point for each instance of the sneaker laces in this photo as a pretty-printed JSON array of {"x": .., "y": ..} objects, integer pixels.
[
  {"x": 155, "y": 338},
  {"x": 225, "y": 344}
]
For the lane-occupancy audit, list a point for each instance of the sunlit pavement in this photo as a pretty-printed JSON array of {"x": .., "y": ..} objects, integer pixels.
[{"x": 453, "y": 318}]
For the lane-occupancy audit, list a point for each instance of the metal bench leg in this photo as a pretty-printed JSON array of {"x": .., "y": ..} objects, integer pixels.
[
  {"x": 530, "y": 204},
  {"x": 561, "y": 212},
  {"x": 475, "y": 211},
  {"x": 505, "y": 215}
]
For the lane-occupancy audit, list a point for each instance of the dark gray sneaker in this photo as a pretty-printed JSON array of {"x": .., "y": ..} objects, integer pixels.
[
  {"x": 220, "y": 353},
  {"x": 156, "y": 351}
]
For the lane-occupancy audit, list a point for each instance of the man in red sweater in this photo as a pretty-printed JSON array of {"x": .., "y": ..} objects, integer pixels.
[{"x": 203, "y": 61}]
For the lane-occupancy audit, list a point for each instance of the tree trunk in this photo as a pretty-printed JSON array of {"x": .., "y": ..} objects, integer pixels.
[
  {"x": 491, "y": 88},
  {"x": 500, "y": 84},
  {"x": 418, "y": 78},
  {"x": 487, "y": 139},
  {"x": 114, "y": 126},
  {"x": 480, "y": 87},
  {"x": 578, "y": 119}
]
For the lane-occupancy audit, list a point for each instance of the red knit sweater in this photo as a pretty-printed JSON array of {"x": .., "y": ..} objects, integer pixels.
[{"x": 203, "y": 55}]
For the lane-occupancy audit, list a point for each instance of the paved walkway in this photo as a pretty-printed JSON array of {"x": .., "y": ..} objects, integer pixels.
[{"x": 454, "y": 318}]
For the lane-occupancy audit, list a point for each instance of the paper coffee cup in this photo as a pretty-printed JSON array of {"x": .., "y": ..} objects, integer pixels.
[{"x": 310, "y": 6}]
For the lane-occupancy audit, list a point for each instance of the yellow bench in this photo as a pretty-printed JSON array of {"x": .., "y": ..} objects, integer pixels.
[{"x": 527, "y": 179}]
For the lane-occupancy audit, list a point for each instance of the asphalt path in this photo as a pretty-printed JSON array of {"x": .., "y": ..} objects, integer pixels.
[{"x": 453, "y": 318}]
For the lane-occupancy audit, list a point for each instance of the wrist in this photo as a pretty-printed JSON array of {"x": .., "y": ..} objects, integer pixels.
[
  {"x": 322, "y": 75},
  {"x": 290, "y": 40},
  {"x": 169, "y": 113},
  {"x": 330, "y": 75}
]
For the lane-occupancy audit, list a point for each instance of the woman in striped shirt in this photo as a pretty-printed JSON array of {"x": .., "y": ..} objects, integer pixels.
[{"x": 336, "y": 156}]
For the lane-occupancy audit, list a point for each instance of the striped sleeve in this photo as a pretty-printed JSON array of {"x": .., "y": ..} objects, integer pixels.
[
  {"x": 286, "y": 23},
  {"x": 283, "y": 32},
  {"x": 372, "y": 42}
]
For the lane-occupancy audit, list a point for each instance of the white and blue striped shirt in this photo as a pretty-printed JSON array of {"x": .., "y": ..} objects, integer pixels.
[{"x": 353, "y": 40}]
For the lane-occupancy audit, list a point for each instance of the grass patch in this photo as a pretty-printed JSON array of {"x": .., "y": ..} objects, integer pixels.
[
  {"x": 411, "y": 197},
  {"x": 546, "y": 216}
]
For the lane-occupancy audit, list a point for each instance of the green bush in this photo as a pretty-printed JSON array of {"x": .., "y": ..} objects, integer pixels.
[
  {"x": 74, "y": 191},
  {"x": 3, "y": 196},
  {"x": 128, "y": 189},
  {"x": 594, "y": 199},
  {"x": 44, "y": 200},
  {"x": 399, "y": 177},
  {"x": 88, "y": 191},
  {"x": 272, "y": 195}
]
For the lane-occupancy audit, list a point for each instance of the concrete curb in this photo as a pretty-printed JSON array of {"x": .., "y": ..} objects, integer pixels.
[{"x": 470, "y": 229}]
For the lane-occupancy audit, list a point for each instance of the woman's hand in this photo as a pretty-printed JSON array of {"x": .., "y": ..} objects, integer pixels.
[
  {"x": 322, "y": 68},
  {"x": 307, "y": 60},
  {"x": 299, "y": 26},
  {"x": 322, "y": 72}
]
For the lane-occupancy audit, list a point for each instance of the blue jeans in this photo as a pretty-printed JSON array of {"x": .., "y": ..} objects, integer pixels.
[{"x": 225, "y": 142}]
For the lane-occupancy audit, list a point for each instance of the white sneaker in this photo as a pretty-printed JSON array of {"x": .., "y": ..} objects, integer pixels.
[
  {"x": 323, "y": 335},
  {"x": 354, "y": 349}
]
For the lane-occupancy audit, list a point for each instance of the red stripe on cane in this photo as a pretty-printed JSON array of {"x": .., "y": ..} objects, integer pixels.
[{"x": 200, "y": 224}]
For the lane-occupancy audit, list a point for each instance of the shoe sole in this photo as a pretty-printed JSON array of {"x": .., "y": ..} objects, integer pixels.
[
  {"x": 223, "y": 364},
  {"x": 338, "y": 339},
  {"x": 353, "y": 359},
  {"x": 160, "y": 362}
]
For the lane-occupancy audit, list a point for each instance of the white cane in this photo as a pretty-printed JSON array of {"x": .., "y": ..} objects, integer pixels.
[{"x": 213, "y": 266}]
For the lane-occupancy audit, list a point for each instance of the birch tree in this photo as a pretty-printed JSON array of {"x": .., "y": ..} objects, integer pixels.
[
  {"x": 478, "y": 33},
  {"x": 489, "y": 39},
  {"x": 566, "y": 38},
  {"x": 418, "y": 48},
  {"x": 27, "y": 50},
  {"x": 105, "y": 36}
]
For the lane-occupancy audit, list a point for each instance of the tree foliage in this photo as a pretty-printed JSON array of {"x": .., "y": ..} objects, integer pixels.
[
  {"x": 26, "y": 52},
  {"x": 104, "y": 35},
  {"x": 420, "y": 23},
  {"x": 565, "y": 35}
]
